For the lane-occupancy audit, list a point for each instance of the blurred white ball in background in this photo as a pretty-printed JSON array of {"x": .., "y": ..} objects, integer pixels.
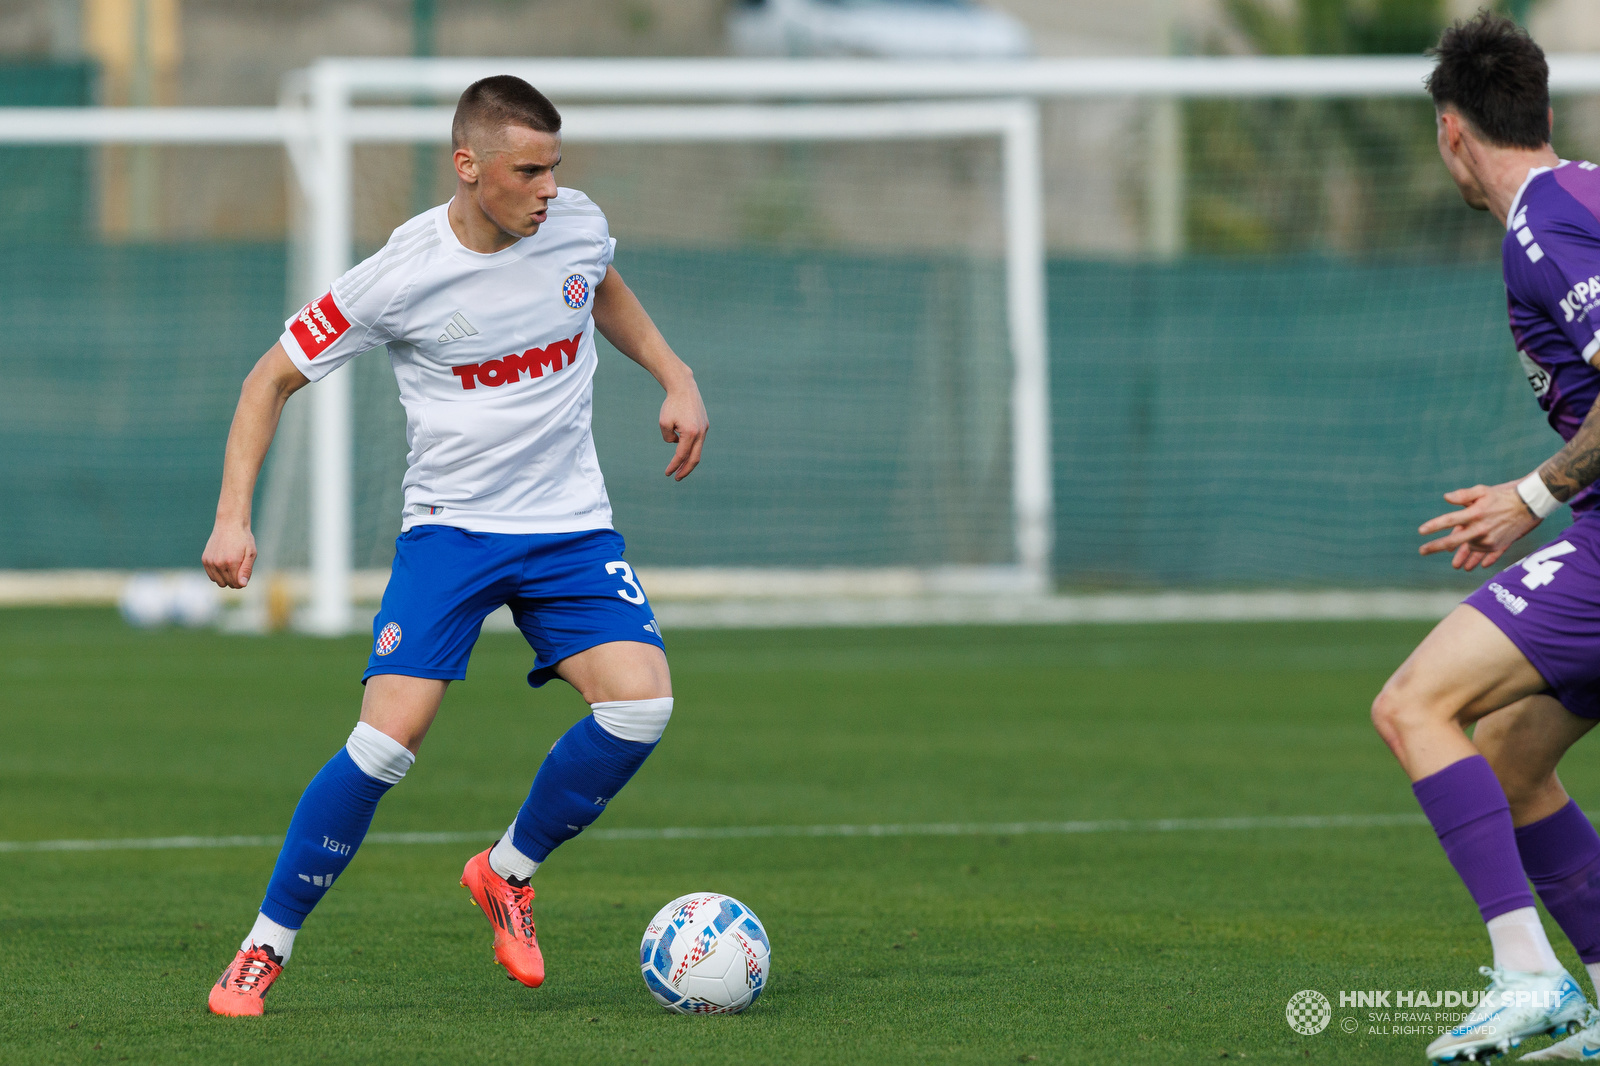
[
  {"x": 196, "y": 601},
  {"x": 146, "y": 601}
]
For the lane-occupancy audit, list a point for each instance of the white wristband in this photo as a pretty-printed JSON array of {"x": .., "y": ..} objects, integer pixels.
[{"x": 1537, "y": 496}]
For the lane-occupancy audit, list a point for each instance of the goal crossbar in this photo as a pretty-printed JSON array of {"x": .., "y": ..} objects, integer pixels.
[{"x": 820, "y": 79}]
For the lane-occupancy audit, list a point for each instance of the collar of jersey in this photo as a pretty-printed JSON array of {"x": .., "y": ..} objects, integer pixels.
[
  {"x": 1516, "y": 201},
  {"x": 448, "y": 239}
]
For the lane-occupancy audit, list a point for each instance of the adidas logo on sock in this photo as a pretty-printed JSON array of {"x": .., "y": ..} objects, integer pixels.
[
  {"x": 320, "y": 880},
  {"x": 457, "y": 328}
]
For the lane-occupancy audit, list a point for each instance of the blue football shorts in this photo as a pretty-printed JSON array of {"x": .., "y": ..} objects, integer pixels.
[{"x": 567, "y": 592}]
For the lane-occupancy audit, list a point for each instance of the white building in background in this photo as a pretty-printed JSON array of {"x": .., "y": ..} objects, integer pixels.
[
  {"x": 902, "y": 29},
  {"x": 1100, "y": 155}
]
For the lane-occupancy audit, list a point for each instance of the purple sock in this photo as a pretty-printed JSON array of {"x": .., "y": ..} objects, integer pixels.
[
  {"x": 1562, "y": 856},
  {"x": 1468, "y": 809}
]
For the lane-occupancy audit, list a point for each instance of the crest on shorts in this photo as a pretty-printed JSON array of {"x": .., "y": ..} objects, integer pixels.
[
  {"x": 389, "y": 638},
  {"x": 575, "y": 290}
]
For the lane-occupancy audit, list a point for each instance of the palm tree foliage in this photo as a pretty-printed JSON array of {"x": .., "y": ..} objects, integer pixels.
[{"x": 1336, "y": 176}]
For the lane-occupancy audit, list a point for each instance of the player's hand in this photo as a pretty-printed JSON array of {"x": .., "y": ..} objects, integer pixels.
[
  {"x": 684, "y": 423},
  {"x": 1491, "y": 519},
  {"x": 230, "y": 555}
]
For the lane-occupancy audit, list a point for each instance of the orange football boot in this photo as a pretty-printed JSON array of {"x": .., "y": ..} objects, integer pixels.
[
  {"x": 509, "y": 909},
  {"x": 243, "y": 985}
]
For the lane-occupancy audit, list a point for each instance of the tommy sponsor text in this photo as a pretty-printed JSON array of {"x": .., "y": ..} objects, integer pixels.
[{"x": 535, "y": 362}]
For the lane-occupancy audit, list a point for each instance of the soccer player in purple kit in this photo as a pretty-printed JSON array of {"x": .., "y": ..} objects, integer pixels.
[{"x": 1520, "y": 658}]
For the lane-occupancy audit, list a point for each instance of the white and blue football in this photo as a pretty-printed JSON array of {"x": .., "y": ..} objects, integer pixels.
[{"x": 705, "y": 953}]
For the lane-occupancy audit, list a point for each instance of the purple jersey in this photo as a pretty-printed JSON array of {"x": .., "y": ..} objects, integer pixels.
[{"x": 1551, "y": 259}]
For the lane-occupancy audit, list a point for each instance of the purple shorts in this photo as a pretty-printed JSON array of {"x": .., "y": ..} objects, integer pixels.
[{"x": 1549, "y": 605}]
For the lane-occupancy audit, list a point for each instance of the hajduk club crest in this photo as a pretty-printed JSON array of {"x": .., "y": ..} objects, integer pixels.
[
  {"x": 575, "y": 290},
  {"x": 389, "y": 638}
]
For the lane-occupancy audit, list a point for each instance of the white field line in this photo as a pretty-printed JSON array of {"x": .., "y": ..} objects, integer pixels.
[
  {"x": 733, "y": 832},
  {"x": 733, "y": 598}
]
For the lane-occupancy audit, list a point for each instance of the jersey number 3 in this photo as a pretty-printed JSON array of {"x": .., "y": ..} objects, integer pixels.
[{"x": 620, "y": 567}]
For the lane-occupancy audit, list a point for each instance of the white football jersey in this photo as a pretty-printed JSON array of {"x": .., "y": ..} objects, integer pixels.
[{"x": 495, "y": 357}]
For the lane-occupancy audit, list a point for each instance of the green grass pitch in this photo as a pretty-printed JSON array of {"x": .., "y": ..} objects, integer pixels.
[{"x": 1124, "y": 947}]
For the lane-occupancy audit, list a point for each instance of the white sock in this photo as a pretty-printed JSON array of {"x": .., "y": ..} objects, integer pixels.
[
  {"x": 1594, "y": 975},
  {"x": 1520, "y": 944},
  {"x": 269, "y": 933},
  {"x": 508, "y": 862}
]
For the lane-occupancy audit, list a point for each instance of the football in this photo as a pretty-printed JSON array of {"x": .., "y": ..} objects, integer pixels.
[{"x": 705, "y": 953}]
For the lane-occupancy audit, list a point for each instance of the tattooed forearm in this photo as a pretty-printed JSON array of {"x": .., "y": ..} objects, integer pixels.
[{"x": 1577, "y": 465}]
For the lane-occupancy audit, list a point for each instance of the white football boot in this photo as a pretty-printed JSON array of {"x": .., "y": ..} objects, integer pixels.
[
  {"x": 1584, "y": 1044},
  {"x": 1515, "y": 1007}
]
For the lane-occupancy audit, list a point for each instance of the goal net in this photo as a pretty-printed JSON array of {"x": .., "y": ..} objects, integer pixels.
[
  {"x": 1275, "y": 335},
  {"x": 847, "y": 282}
]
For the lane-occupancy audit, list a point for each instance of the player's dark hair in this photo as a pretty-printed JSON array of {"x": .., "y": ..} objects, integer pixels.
[
  {"x": 500, "y": 101},
  {"x": 1493, "y": 73}
]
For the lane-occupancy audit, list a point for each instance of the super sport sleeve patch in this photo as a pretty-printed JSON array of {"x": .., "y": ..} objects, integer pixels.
[{"x": 318, "y": 325}]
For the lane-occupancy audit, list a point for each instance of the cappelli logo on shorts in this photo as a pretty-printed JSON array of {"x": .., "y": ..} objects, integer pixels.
[{"x": 1508, "y": 599}]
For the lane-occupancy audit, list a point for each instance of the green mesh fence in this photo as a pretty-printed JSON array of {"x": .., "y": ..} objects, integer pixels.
[
  {"x": 1277, "y": 422},
  {"x": 119, "y": 369},
  {"x": 858, "y": 405},
  {"x": 1266, "y": 422},
  {"x": 45, "y": 188}
]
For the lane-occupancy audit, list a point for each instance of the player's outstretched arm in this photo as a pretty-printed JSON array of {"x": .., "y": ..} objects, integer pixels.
[
  {"x": 1493, "y": 517},
  {"x": 231, "y": 552},
  {"x": 622, "y": 320}
]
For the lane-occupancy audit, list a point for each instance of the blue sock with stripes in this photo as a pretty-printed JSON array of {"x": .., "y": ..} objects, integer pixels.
[
  {"x": 330, "y": 822},
  {"x": 577, "y": 779}
]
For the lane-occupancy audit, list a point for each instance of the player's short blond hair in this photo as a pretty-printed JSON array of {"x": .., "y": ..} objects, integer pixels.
[{"x": 491, "y": 104}]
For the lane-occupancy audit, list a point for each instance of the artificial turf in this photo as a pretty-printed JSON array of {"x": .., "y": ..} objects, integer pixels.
[{"x": 1105, "y": 947}]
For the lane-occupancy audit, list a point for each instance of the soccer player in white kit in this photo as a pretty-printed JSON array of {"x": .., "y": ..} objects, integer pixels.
[{"x": 488, "y": 306}]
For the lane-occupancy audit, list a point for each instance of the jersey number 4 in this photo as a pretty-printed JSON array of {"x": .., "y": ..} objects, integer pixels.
[
  {"x": 637, "y": 595},
  {"x": 1540, "y": 567}
]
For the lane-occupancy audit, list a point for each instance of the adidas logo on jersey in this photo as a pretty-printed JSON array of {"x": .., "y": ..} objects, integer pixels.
[{"x": 457, "y": 328}]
